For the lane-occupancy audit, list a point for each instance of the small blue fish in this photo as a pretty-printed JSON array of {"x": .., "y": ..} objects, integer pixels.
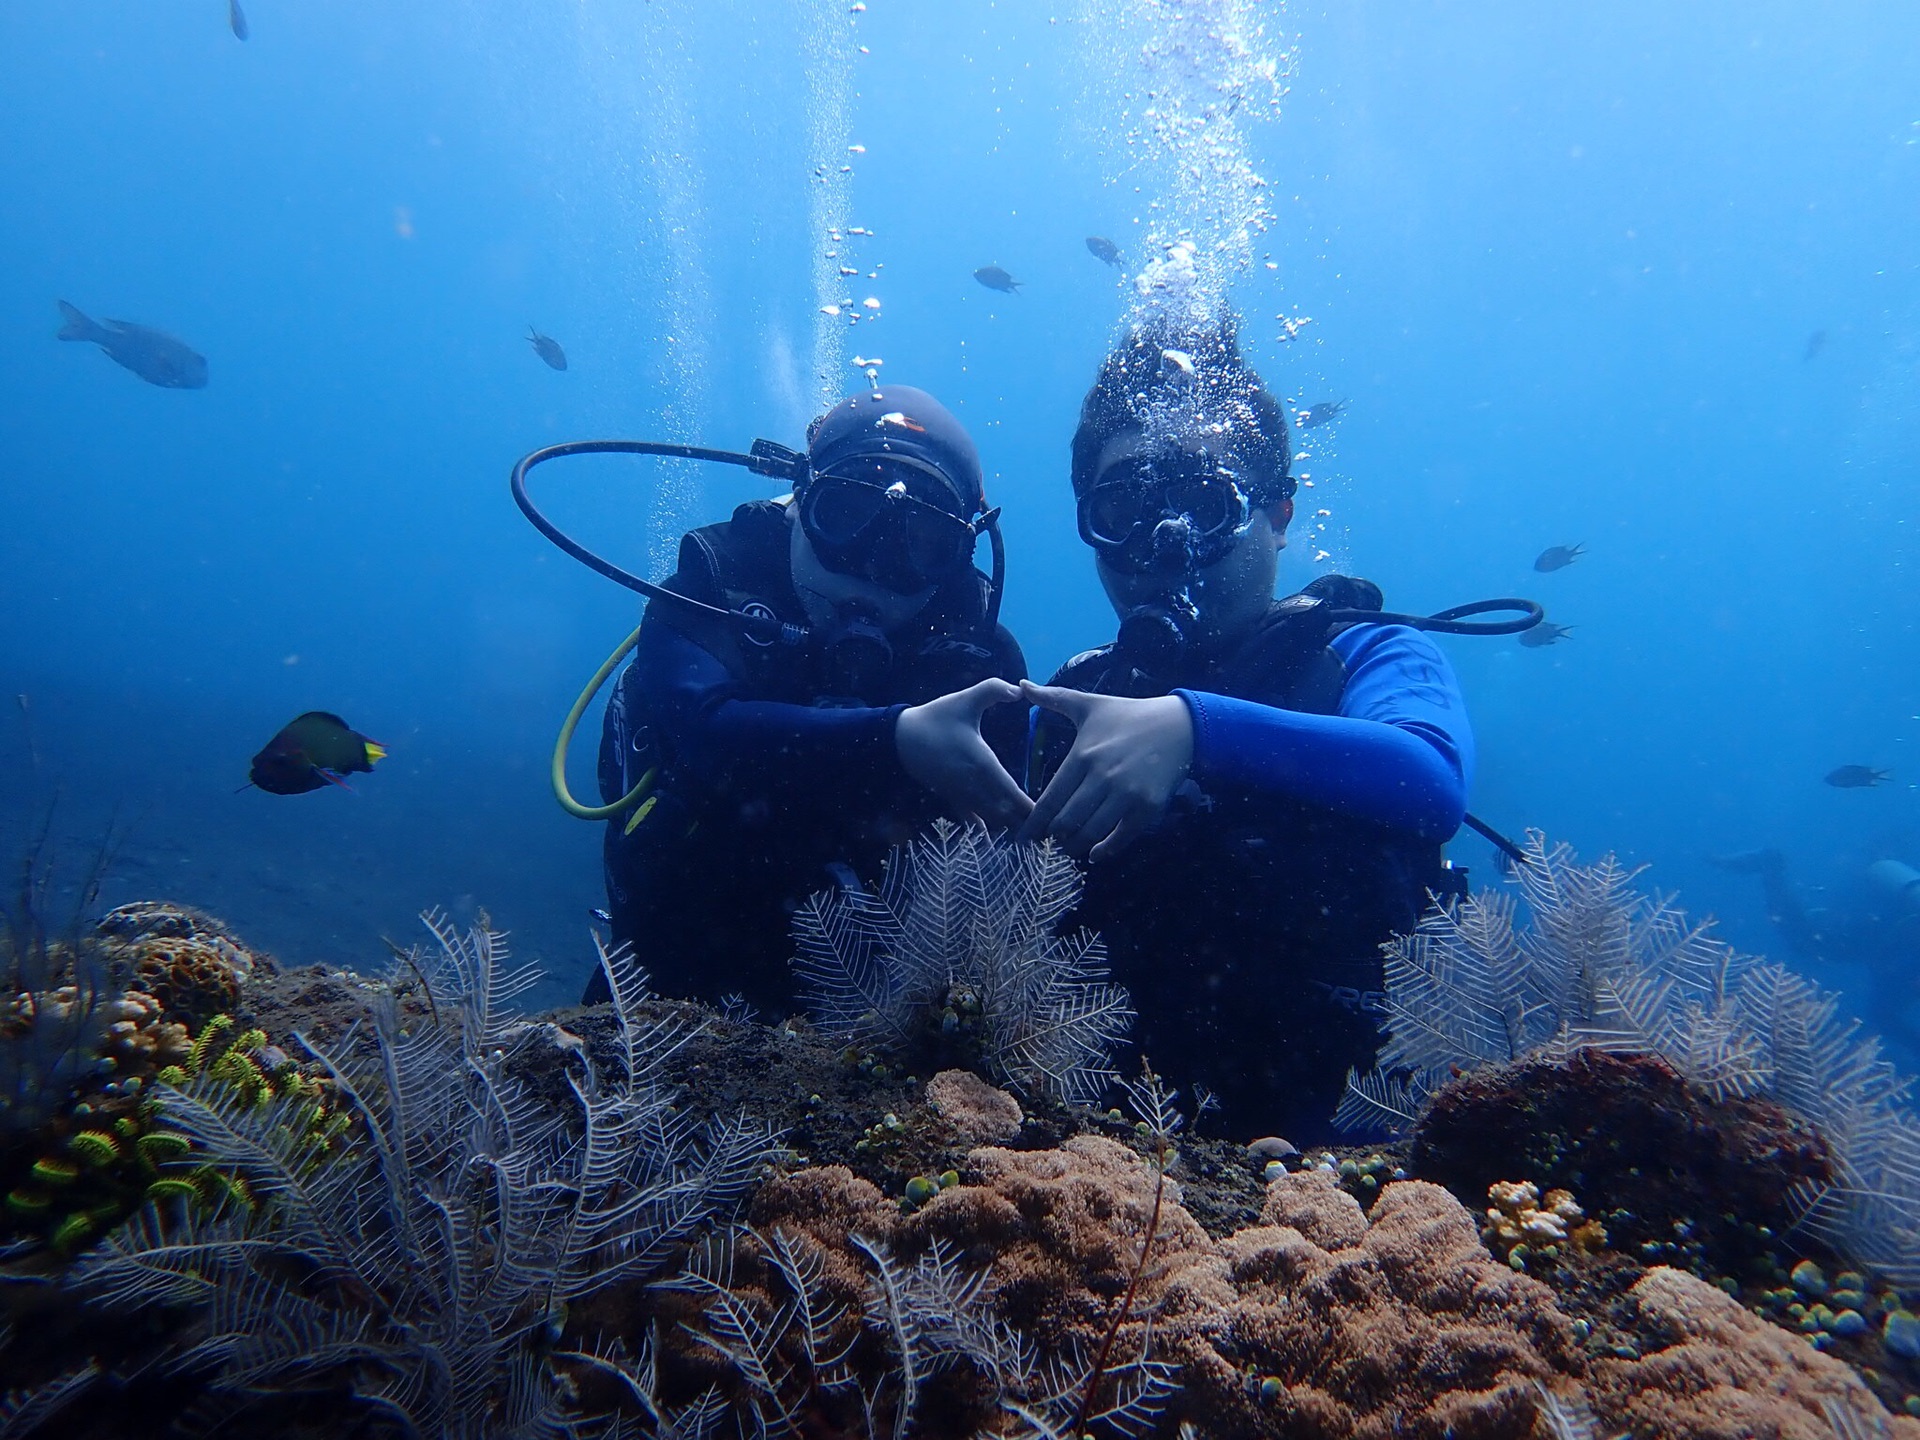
[
  {"x": 237, "y": 20},
  {"x": 155, "y": 356},
  {"x": 1320, "y": 414},
  {"x": 1105, "y": 250},
  {"x": 994, "y": 278},
  {"x": 1544, "y": 634},
  {"x": 547, "y": 348},
  {"x": 1857, "y": 777},
  {"x": 1558, "y": 557}
]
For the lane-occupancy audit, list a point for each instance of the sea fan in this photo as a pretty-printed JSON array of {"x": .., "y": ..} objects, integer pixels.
[
  {"x": 418, "y": 1267},
  {"x": 1604, "y": 966},
  {"x": 960, "y": 943}
]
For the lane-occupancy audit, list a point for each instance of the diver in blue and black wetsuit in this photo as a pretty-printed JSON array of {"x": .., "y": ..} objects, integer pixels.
[
  {"x": 777, "y": 768},
  {"x": 1263, "y": 789}
]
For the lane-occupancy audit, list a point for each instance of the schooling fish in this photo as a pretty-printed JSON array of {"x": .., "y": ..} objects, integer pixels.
[
  {"x": 1544, "y": 634},
  {"x": 1857, "y": 777},
  {"x": 1319, "y": 414},
  {"x": 547, "y": 348},
  {"x": 155, "y": 356},
  {"x": 1558, "y": 557},
  {"x": 237, "y": 20},
  {"x": 1105, "y": 250},
  {"x": 994, "y": 278},
  {"x": 312, "y": 751}
]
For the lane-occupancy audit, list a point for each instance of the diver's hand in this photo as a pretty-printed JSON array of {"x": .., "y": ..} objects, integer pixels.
[
  {"x": 939, "y": 745},
  {"x": 1127, "y": 760}
]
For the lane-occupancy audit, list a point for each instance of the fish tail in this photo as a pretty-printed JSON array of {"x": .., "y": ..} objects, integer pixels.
[
  {"x": 78, "y": 326},
  {"x": 375, "y": 751}
]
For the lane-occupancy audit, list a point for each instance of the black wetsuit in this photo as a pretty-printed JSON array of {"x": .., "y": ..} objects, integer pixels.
[
  {"x": 777, "y": 772},
  {"x": 1328, "y": 768}
]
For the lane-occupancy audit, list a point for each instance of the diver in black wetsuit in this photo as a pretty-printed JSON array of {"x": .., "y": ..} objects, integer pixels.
[
  {"x": 1263, "y": 790},
  {"x": 778, "y": 770}
]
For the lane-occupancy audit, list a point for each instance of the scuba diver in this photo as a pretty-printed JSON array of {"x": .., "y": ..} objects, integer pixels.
[
  {"x": 1263, "y": 786},
  {"x": 814, "y": 684}
]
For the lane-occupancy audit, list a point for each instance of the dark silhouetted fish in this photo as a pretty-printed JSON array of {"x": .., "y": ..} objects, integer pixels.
[
  {"x": 1558, "y": 557},
  {"x": 547, "y": 348},
  {"x": 1857, "y": 777},
  {"x": 1544, "y": 634},
  {"x": 1319, "y": 414},
  {"x": 994, "y": 278},
  {"x": 312, "y": 751},
  {"x": 237, "y": 20},
  {"x": 155, "y": 356},
  {"x": 1105, "y": 250},
  {"x": 1816, "y": 342}
]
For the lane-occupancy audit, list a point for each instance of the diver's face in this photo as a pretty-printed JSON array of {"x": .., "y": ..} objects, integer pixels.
[
  {"x": 825, "y": 594},
  {"x": 1229, "y": 595}
]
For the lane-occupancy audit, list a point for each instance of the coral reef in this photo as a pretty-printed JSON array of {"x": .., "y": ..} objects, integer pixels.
[
  {"x": 137, "y": 986},
  {"x": 981, "y": 1113},
  {"x": 955, "y": 959},
  {"x": 1527, "y": 1229},
  {"x": 1326, "y": 1320},
  {"x": 1604, "y": 968},
  {"x": 1675, "y": 1176},
  {"x": 190, "y": 963},
  {"x": 416, "y": 1271}
]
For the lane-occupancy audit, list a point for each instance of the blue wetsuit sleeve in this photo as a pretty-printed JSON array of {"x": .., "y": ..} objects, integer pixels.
[
  {"x": 1400, "y": 752},
  {"x": 715, "y": 739}
]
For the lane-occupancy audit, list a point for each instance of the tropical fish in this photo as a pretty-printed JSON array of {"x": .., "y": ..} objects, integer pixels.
[
  {"x": 155, "y": 356},
  {"x": 1857, "y": 777},
  {"x": 1319, "y": 414},
  {"x": 547, "y": 348},
  {"x": 1105, "y": 250},
  {"x": 237, "y": 20},
  {"x": 1558, "y": 557},
  {"x": 994, "y": 278},
  {"x": 1543, "y": 634},
  {"x": 312, "y": 751},
  {"x": 1816, "y": 342}
]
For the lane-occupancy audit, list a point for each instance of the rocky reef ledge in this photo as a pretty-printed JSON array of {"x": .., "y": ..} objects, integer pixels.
[{"x": 925, "y": 1255}]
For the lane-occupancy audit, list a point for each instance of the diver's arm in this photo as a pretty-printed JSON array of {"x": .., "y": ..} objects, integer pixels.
[
  {"x": 713, "y": 736},
  {"x": 1400, "y": 752}
]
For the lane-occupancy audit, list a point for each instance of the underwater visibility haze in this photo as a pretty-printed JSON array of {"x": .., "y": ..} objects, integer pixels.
[{"x": 1613, "y": 309}]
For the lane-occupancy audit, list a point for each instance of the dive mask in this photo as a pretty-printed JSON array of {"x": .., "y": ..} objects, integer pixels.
[
  {"x": 868, "y": 516},
  {"x": 1166, "y": 513}
]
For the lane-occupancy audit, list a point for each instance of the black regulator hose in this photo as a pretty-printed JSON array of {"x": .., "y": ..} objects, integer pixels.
[
  {"x": 763, "y": 628},
  {"x": 1452, "y": 621}
]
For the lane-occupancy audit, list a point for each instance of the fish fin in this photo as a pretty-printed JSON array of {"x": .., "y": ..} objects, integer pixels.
[
  {"x": 326, "y": 715},
  {"x": 375, "y": 750},
  {"x": 332, "y": 779},
  {"x": 78, "y": 326},
  {"x": 247, "y": 786}
]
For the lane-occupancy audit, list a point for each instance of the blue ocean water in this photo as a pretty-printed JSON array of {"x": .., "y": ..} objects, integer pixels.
[{"x": 1567, "y": 270}]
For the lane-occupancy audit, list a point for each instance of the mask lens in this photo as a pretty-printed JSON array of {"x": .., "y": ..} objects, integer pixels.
[
  {"x": 839, "y": 508},
  {"x": 1212, "y": 504},
  {"x": 936, "y": 541},
  {"x": 1110, "y": 512}
]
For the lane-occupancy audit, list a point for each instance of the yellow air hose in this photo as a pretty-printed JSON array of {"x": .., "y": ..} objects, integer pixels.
[{"x": 640, "y": 792}]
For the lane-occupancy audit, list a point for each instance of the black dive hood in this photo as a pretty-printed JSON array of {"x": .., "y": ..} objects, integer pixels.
[{"x": 765, "y": 457}]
